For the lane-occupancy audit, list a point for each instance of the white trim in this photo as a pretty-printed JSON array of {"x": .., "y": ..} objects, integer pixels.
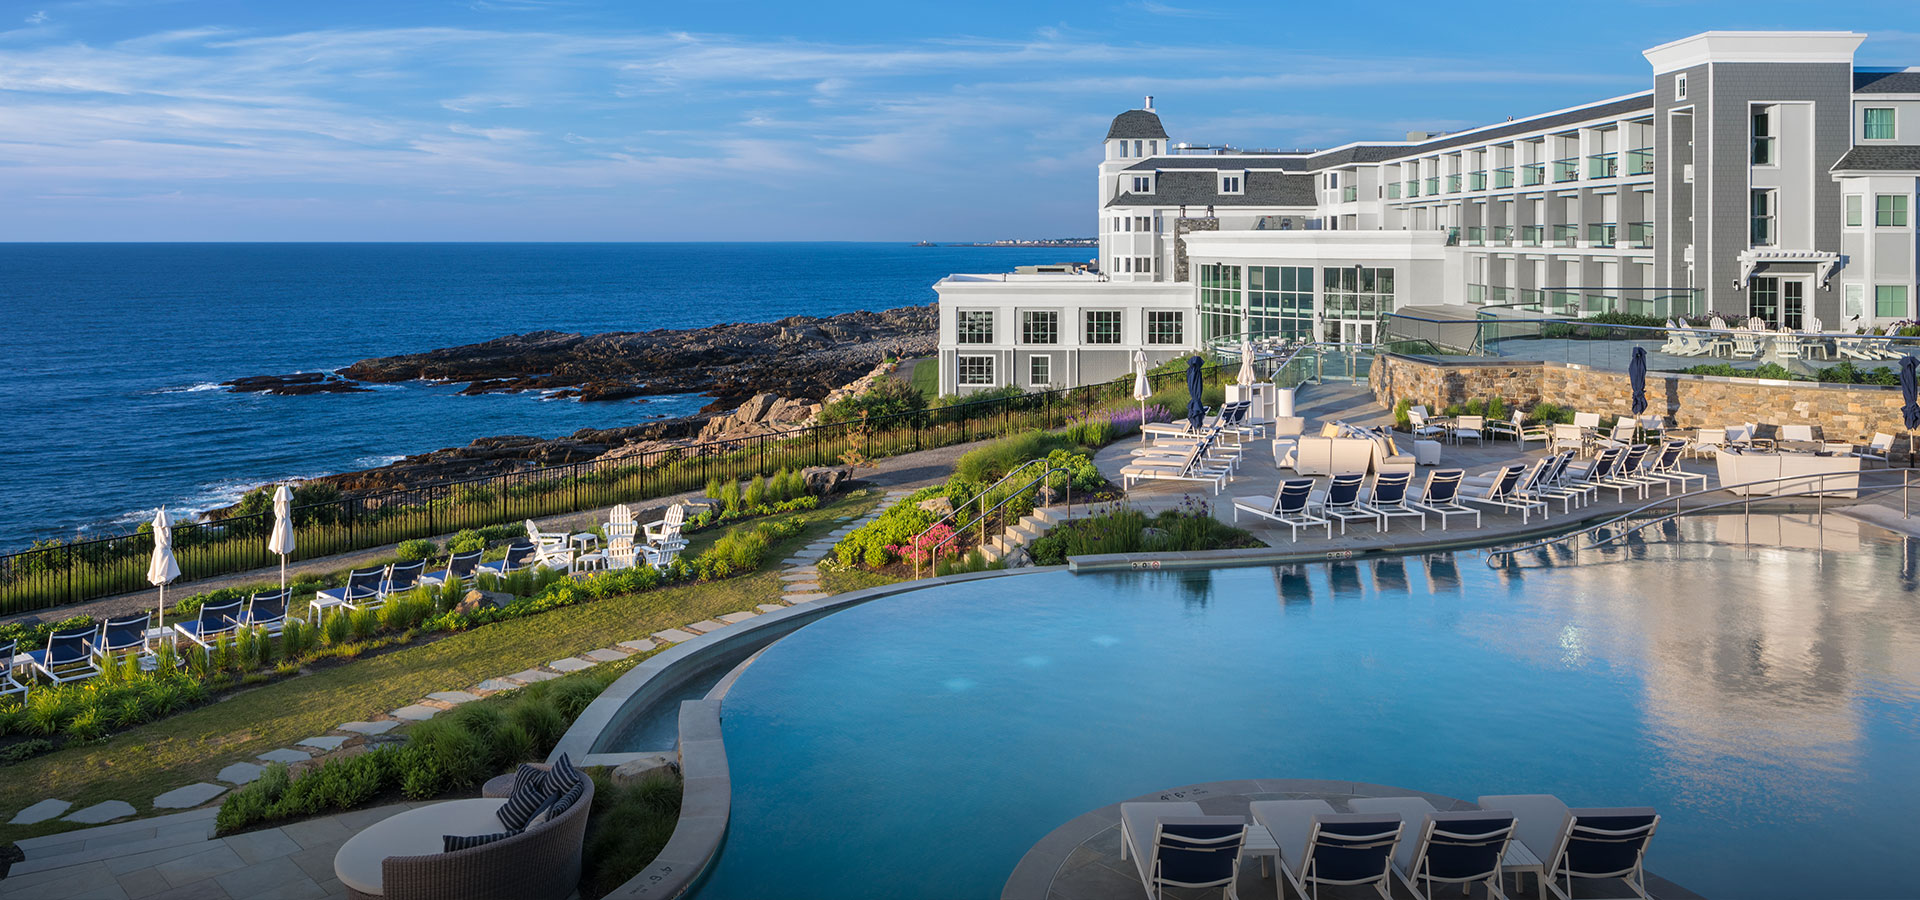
[
  {"x": 1754, "y": 47},
  {"x": 993, "y": 374}
]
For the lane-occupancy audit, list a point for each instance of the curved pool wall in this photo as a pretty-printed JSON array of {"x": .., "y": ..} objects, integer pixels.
[{"x": 918, "y": 747}]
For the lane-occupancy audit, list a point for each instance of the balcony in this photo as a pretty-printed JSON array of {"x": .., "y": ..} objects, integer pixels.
[
  {"x": 1532, "y": 235},
  {"x": 1433, "y": 185},
  {"x": 1566, "y": 235},
  {"x": 1349, "y": 193},
  {"x": 1476, "y": 181},
  {"x": 1476, "y": 236},
  {"x": 1640, "y": 162},
  {"x": 1413, "y": 188},
  {"x": 1603, "y": 234},
  {"x": 1453, "y": 184},
  {"x": 1393, "y": 190},
  {"x": 1563, "y": 302},
  {"x": 1476, "y": 293},
  {"x": 1640, "y": 235},
  {"x": 1763, "y": 151},
  {"x": 1532, "y": 174},
  {"x": 1499, "y": 295},
  {"x": 1531, "y": 298},
  {"x": 1566, "y": 169},
  {"x": 1453, "y": 237},
  {"x": 1603, "y": 165},
  {"x": 1503, "y": 178},
  {"x": 1502, "y": 234}
]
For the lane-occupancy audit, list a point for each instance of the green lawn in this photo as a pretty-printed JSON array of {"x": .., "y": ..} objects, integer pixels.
[
  {"x": 139, "y": 764},
  {"x": 926, "y": 377}
]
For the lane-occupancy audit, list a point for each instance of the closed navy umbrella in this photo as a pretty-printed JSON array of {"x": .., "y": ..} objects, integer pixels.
[
  {"x": 1637, "y": 376},
  {"x": 1195, "y": 411},
  {"x": 1909, "y": 387}
]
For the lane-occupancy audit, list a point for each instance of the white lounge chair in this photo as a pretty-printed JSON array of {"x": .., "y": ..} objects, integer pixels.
[
  {"x": 9, "y": 685},
  {"x": 1441, "y": 496},
  {"x": 1516, "y": 427},
  {"x": 267, "y": 611},
  {"x": 1665, "y": 467},
  {"x": 668, "y": 526},
  {"x": 1341, "y": 501},
  {"x": 1589, "y": 844},
  {"x": 551, "y": 548},
  {"x": 123, "y": 635},
  {"x": 1568, "y": 437},
  {"x": 520, "y": 555},
  {"x": 1289, "y": 506},
  {"x": 1389, "y": 499},
  {"x": 1506, "y": 489},
  {"x": 362, "y": 587},
  {"x": 1173, "y": 844},
  {"x": 1470, "y": 427},
  {"x": 1321, "y": 847},
  {"x": 459, "y": 565},
  {"x": 1551, "y": 483},
  {"x": 1878, "y": 448},
  {"x": 1462, "y": 848},
  {"x": 1625, "y": 474},
  {"x": 1707, "y": 442},
  {"x": 1801, "y": 433},
  {"x": 1193, "y": 466},
  {"x": 68, "y": 656}
]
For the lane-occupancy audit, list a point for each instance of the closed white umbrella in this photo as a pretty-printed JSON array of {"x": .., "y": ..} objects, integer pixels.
[
  {"x": 162, "y": 569},
  {"x": 1245, "y": 377},
  {"x": 282, "y": 540},
  {"x": 1141, "y": 389}
]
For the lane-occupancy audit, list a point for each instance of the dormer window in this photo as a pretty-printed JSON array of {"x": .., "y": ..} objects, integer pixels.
[
  {"x": 1232, "y": 184},
  {"x": 1143, "y": 184}
]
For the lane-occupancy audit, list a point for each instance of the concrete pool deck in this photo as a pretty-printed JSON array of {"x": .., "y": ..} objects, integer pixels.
[{"x": 1080, "y": 860}]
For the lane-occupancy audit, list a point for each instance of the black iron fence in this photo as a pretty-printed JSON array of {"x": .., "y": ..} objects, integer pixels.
[{"x": 49, "y": 576}]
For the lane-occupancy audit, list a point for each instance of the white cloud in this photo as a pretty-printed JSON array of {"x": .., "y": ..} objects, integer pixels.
[{"x": 38, "y": 17}]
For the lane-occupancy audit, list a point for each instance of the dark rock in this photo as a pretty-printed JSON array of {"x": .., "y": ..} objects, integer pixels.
[
  {"x": 477, "y": 600},
  {"x": 294, "y": 385},
  {"x": 824, "y": 480}
]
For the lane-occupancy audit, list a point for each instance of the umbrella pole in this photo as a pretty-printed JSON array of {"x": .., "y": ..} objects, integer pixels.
[
  {"x": 283, "y": 571},
  {"x": 163, "y": 607}
]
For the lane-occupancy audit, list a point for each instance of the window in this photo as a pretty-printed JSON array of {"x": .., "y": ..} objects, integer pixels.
[
  {"x": 1039, "y": 370},
  {"x": 1890, "y": 301},
  {"x": 1854, "y": 204},
  {"x": 1333, "y": 180},
  {"x": 1123, "y": 149},
  {"x": 1761, "y": 219},
  {"x": 1856, "y": 301},
  {"x": 1279, "y": 301},
  {"x": 1357, "y": 292},
  {"x": 1762, "y": 138},
  {"x": 1040, "y": 327},
  {"x": 975, "y": 370},
  {"x": 1220, "y": 311},
  {"x": 1890, "y": 210},
  {"x": 1165, "y": 327},
  {"x": 1103, "y": 326},
  {"x": 1137, "y": 148},
  {"x": 1876, "y": 124},
  {"x": 973, "y": 326},
  {"x": 1229, "y": 184},
  {"x": 1143, "y": 184},
  {"x": 1680, "y": 86}
]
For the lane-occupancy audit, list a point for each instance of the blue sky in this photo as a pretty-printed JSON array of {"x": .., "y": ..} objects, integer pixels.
[{"x": 717, "y": 120}]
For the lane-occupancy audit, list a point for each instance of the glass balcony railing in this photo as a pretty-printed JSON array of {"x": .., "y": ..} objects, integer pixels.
[
  {"x": 1499, "y": 295},
  {"x": 1532, "y": 174},
  {"x": 1501, "y": 234},
  {"x": 1763, "y": 151},
  {"x": 1532, "y": 298},
  {"x": 1413, "y": 188},
  {"x": 1393, "y": 190},
  {"x": 1565, "y": 302},
  {"x": 1453, "y": 237},
  {"x": 1640, "y": 162},
  {"x": 1603, "y": 165},
  {"x": 1566, "y": 235},
  {"x": 1349, "y": 193},
  {"x": 1453, "y": 184},
  {"x": 1532, "y": 235},
  {"x": 1476, "y": 236},
  {"x": 1503, "y": 178},
  {"x": 1566, "y": 169},
  {"x": 1476, "y": 293},
  {"x": 1476, "y": 181},
  {"x": 1433, "y": 185},
  {"x": 1602, "y": 234},
  {"x": 1640, "y": 235}
]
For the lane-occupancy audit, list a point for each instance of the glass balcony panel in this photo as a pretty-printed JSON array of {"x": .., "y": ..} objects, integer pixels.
[
  {"x": 1640, "y": 162},
  {"x": 1503, "y": 178},
  {"x": 1477, "y": 181},
  {"x": 1502, "y": 234},
  {"x": 1433, "y": 184},
  {"x": 1602, "y": 234},
  {"x": 1453, "y": 184},
  {"x": 1566, "y": 169},
  {"x": 1763, "y": 154},
  {"x": 1393, "y": 190},
  {"x": 1603, "y": 165},
  {"x": 1533, "y": 235},
  {"x": 1476, "y": 235},
  {"x": 1640, "y": 235},
  {"x": 1566, "y": 235},
  {"x": 1349, "y": 193},
  {"x": 1533, "y": 174},
  {"x": 1413, "y": 188}
]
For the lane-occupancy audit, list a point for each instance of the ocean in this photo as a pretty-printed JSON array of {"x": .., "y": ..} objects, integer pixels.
[{"x": 113, "y": 352}]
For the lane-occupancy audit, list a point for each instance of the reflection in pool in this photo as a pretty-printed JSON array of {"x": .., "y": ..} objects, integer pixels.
[{"x": 1765, "y": 700}]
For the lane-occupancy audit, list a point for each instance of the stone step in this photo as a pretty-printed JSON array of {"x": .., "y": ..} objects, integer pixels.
[
  {"x": 97, "y": 849},
  {"x": 1048, "y": 516},
  {"x": 136, "y": 830}
]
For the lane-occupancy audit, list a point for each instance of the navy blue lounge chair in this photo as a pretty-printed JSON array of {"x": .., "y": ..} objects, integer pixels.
[
  {"x": 68, "y": 656},
  {"x": 1594, "y": 845},
  {"x": 268, "y": 610},
  {"x": 1321, "y": 847},
  {"x": 401, "y": 577},
  {"x": 125, "y": 634},
  {"x": 213, "y": 621},
  {"x": 520, "y": 555},
  {"x": 459, "y": 565},
  {"x": 1445, "y": 848},
  {"x": 363, "y": 585},
  {"x": 1174, "y": 845}
]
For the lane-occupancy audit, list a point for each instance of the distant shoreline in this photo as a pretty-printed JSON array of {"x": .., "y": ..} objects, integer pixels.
[{"x": 1049, "y": 242}]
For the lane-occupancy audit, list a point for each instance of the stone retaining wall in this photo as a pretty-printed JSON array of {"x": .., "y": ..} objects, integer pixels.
[{"x": 1842, "y": 412}]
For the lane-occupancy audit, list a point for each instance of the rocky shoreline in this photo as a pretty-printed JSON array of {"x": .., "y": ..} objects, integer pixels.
[{"x": 763, "y": 377}]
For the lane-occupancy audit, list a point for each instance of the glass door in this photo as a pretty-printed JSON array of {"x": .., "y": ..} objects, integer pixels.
[
  {"x": 1792, "y": 304},
  {"x": 1763, "y": 301}
]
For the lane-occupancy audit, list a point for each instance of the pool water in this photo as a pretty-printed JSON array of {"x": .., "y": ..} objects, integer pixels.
[{"x": 1766, "y": 701}]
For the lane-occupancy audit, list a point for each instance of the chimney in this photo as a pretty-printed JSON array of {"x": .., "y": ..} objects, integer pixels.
[{"x": 1149, "y": 106}]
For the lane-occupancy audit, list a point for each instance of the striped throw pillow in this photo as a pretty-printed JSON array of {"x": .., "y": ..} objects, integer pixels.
[
  {"x": 566, "y": 801},
  {"x": 532, "y": 788},
  {"x": 454, "y": 842},
  {"x": 565, "y": 774}
]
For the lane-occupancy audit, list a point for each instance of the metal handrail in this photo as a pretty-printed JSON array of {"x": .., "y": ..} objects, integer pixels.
[
  {"x": 957, "y": 507},
  {"x": 1818, "y": 491},
  {"x": 933, "y": 553}
]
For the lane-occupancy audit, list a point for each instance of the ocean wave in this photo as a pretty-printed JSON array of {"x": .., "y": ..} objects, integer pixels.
[
  {"x": 374, "y": 462},
  {"x": 192, "y": 388}
]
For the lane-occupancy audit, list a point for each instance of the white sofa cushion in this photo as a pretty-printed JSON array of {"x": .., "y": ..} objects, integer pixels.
[{"x": 415, "y": 832}]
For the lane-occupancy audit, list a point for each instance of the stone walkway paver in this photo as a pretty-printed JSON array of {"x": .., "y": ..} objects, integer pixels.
[
  {"x": 40, "y": 812},
  {"x": 105, "y": 811},
  {"x": 323, "y": 742},
  {"x": 285, "y": 755},
  {"x": 704, "y": 626},
  {"x": 606, "y": 654},
  {"x": 673, "y": 636},
  {"x": 530, "y": 676},
  {"x": 188, "y": 797},
  {"x": 370, "y": 728},
  {"x": 418, "y": 712},
  {"x": 453, "y": 698},
  {"x": 240, "y": 773},
  {"x": 571, "y": 664},
  {"x": 640, "y": 646}
]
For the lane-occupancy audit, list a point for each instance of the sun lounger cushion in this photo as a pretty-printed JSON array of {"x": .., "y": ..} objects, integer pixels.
[
  {"x": 1539, "y": 819},
  {"x": 1291, "y": 823},
  {"x": 1413, "y": 810}
]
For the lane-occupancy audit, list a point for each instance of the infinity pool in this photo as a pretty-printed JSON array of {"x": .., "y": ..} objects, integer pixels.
[{"x": 1765, "y": 700}]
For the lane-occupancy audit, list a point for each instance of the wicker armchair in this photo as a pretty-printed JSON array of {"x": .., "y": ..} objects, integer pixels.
[{"x": 541, "y": 862}]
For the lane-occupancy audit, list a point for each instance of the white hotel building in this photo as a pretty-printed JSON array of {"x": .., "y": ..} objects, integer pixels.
[{"x": 1762, "y": 175}]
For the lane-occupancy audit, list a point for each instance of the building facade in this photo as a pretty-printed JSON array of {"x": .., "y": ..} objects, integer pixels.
[{"x": 1763, "y": 175}]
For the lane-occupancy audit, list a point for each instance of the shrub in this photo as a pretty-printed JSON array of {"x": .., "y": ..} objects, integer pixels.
[
  {"x": 888, "y": 398},
  {"x": 626, "y": 830},
  {"x": 1402, "y": 414},
  {"x": 88, "y": 725},
  {"x": 985, "y": 464},
  {"x": 868, "y": 544},
  {"x": 541, "y": 722},
  {"x": 466, "y": 541},
  {"x": 729, "y": 497},
  {"x": 1550, "y": 414},
  {"x": 416, "y": 549},
  {"x": 25, "y": 750},
  {"x": 335, "y": 629},
  {"x": 1124, "y": 530},
  {"x": 1496, "y": 410},
  {"x": 756, "y": 493}
]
